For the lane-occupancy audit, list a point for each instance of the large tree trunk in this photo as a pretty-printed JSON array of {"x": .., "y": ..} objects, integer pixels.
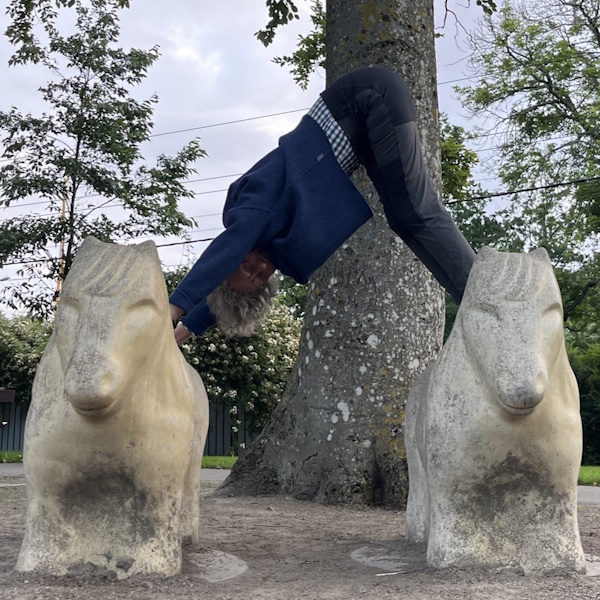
[{"x": 374, "y": 317}]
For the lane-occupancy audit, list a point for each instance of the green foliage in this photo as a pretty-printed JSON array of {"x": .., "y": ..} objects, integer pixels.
[
  {"x": 22, "y": 342},
  {"x": 281, "y": 12},
  {"x": 11, "y": 457},
  {"x": 208, "y": 462},
  {"x": 250, "y": 372},
  {"x": 293, "y": 295},
  {"x": 459, "y": 188},
  {"x": 310, "y": 52},
  {"x": 539, "y": 77},
  {"x": 488, "y": 6},
  {"x": 84, "y": 152},
  {"x": 537, "y": 65},
  {"x": 457, "y": 161},
  {"x": 218, "y": 462},
  {"x": 584, "y": 356}
]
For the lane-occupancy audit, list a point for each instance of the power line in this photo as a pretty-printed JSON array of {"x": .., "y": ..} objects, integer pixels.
[
  {"x": 482, "y": 197},
  {"x": 185, "y": 182},
  {"x": 286, "y": 112},
  {"x": 244, "y": 120},
  {"x": 528, "y": 189},
  {"x": 41, "y": 260},
  {"x": 185, "y": 242}
]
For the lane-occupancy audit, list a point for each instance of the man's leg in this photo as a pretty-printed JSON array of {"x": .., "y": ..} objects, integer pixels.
[{"x": 375, "y": 109}]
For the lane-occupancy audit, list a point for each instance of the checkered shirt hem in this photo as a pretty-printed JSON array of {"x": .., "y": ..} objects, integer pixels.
[{"x": 342, "y": 149}]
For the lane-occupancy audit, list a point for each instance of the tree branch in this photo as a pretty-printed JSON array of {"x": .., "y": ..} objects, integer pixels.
[{"x": 586, "y": 290}]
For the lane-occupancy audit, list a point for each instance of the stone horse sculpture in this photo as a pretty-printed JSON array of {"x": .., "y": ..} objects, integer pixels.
[
  {"x": 116, "y": 428},
  {"x": 493, "y": 430}
]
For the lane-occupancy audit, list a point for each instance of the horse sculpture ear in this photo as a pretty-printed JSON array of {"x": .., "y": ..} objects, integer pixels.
[
  {"x": 486, "y": 252},
  {"x": 148, "y": 249},
  {"x": 89, "y": 243},
  {"x": 540, "y": 254}
]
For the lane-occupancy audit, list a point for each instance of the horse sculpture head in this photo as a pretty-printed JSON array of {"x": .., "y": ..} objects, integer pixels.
[
  {"x": 511, "y": 321},
  {"x": 110, "y": 321}
]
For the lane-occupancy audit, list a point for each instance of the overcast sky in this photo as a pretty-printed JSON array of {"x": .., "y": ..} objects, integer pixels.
[{"x": 212, "y": 70}]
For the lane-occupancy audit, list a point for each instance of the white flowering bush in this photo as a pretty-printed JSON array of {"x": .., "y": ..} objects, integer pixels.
[
  {"x": 250, "y": 372},
  {"x": 22, "y": 342}
]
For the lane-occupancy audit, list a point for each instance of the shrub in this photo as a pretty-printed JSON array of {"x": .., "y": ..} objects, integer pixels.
[{"x": 22, "y": 342}]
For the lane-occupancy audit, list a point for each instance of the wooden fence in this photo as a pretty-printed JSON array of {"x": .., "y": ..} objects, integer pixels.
[{"x": 221, "y": 439}]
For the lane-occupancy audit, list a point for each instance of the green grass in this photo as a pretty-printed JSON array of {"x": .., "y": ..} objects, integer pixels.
[
  {"x": 11, "y": 457},
  {"x": 208, "y": 462},
  {"x": 218, "y": 462},
  {"x": 589, "y": 476}
]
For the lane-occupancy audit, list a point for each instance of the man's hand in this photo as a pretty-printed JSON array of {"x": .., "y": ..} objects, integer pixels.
[
  {"x": 182, "y": 333},
  {"x": 176, "y": 312}
]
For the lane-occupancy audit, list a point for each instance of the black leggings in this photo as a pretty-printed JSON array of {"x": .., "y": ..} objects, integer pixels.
[{"x": 374, "y": 108}]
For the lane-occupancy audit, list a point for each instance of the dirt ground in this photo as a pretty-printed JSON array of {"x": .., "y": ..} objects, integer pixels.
[{"x": 292, "y": 550}]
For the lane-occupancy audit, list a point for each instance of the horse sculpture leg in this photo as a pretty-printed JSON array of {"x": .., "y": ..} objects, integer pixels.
[{"x": 417, "y": 510}]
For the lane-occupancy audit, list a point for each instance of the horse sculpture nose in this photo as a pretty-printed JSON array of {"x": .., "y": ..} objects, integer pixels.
[
  {"x": 90, "y": 385},
  {"x": 523, "y": 396}
]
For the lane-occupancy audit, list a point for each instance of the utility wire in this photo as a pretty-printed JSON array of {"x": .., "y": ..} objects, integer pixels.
[
  {"x": 41, "y": 260},
  {"x": 528, "y": 189},
  {"x": 482, "y": 197}
]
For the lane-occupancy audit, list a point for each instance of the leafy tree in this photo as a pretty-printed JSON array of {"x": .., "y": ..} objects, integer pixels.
[
  {"x": 537, "y": 66},
  {"x": 311, "y": 50},
  {"x": 337, "y": 435},
  {"x": 458, "y": 189},
  {"x": 84, "y": 153},
  {"x": 310, "y": 53},
  {"x": 584, "y": 355}
]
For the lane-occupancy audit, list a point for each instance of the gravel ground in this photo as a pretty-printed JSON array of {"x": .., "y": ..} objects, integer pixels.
[{"x": 276, "y": 549}]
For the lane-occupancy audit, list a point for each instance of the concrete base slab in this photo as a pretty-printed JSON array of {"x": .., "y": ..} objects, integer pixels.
[
  {"x": 393, "y": 557},
  {"x": 397, "y": 557},
  {"x": 215, "y": 566}
]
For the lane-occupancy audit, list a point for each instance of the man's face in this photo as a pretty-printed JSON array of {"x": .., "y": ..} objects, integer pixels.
[{"x": 252, "y": 274}]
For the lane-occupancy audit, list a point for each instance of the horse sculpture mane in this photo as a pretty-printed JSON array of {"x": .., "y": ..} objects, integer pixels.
[
  {"x": 493, "y": 431},
  {"x": 111, "y": 270},
  {"x": 511, "y": 277},
  {"x": 117, "y": 425}
]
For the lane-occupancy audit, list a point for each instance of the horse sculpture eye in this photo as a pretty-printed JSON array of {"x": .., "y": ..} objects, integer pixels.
[
  {"x": 145, "y": 303},
  {"x": 487, "y": 309},
  {"x": 141, "y": 314}
]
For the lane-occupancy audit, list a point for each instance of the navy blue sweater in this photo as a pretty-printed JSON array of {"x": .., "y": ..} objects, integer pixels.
[{"x": 296, "y": 205}]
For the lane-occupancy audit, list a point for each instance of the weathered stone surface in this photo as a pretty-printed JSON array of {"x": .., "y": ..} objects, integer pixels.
[
  {"x": 493, "y": 429},
  {"x": 117, "y": 425}
]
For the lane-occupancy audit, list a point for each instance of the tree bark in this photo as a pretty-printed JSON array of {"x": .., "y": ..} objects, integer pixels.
[{"x": 374, "y": 316}]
